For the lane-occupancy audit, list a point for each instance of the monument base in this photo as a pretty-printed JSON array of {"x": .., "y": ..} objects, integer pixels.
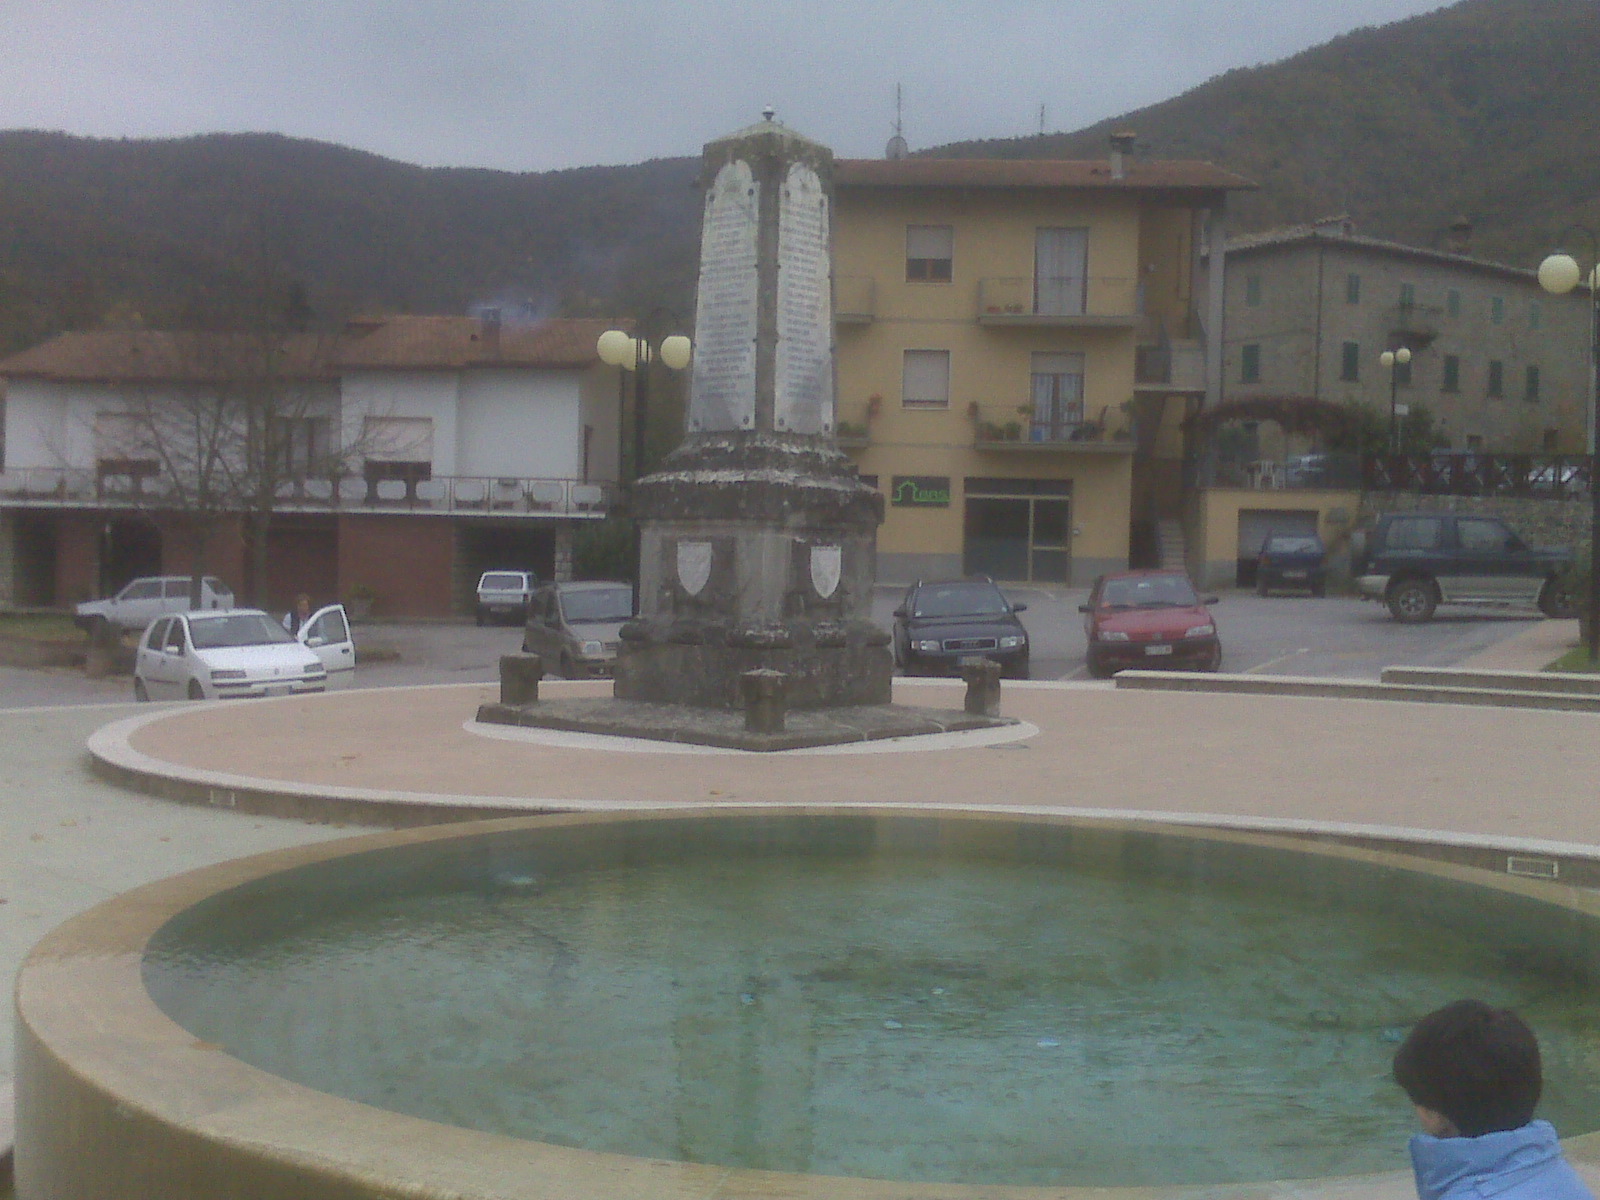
[
  {"x": 726, "y": 729},
  {"x": 699, "y": 664}
]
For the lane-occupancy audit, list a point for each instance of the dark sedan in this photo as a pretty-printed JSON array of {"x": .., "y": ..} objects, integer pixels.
[
  {"x": 938, "y": 624},
  {"x": 1292, "y": 560}
]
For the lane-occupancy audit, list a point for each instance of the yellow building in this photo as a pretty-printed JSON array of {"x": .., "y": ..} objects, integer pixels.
[{"x": 1017, "y": 343}]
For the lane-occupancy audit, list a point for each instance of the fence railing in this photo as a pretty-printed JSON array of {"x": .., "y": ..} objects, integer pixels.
[
  {"x": 1058, "y": 301},
  {"x": 1554, "y": 476},
  {"x": 478, "y": 494}
]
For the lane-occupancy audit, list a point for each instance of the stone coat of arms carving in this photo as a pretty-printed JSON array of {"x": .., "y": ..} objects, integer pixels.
[
  {"x": 826, "y": 564},
  {"x": 694, "y": 566}
]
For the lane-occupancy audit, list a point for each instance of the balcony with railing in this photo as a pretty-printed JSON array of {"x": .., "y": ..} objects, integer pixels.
[
  {"x": 1073, "y": 302},
  {"x": 1414, "y": 325},
  {"x": 1003, "y": 428},
  {"x": 854, "y": 299},
  {"x": 439, "y": 495}
]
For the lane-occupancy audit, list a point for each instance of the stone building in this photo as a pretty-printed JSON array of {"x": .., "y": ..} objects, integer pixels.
[{"x": 1499, "y": 364}]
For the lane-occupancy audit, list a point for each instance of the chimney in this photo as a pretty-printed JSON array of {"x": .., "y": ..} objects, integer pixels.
[
  {"x": 1458, "y": 236},
  {"x": 1121, "y": 144},
  {"x": 491, "y": 332}
]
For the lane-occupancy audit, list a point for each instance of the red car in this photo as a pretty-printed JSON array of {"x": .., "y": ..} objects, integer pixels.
[{"x": 1149, "y": 619}]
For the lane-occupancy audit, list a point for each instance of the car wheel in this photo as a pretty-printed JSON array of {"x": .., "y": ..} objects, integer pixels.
[
  {"x": 1560, "y": 597},
  {"x": 1098, "y": 669},
  {"x": 196, "y": 692},
  {"x": 565, "y": 669},
  {"x": 1261, "y": 585},
  {"x": 1214, "y": 663},
  {"x": 1018, "y": 668},
  {"x": 899, "y": 656},
  {"x": 1318, "y": 590},
  {"x": 140, "y": 692},
  {"x": 481, "y": 616},
  {"x": 1412, "y": 600}
]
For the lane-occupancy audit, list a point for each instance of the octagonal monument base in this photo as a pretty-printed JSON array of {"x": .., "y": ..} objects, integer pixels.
[{"x": 726, "y": 729}]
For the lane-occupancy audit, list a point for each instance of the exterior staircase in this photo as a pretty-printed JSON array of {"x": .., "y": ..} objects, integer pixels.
[{"x": 1170, "y": 546}]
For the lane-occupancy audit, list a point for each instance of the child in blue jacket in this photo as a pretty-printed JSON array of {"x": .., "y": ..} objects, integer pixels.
[{"x": 1474, "y": 1075}]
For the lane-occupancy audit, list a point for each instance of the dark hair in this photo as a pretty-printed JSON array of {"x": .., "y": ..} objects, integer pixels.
[{"x": 1476, "y": 1065}]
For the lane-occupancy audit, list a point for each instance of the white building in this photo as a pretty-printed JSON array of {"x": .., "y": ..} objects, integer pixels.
[{"x": 412, "y": 453}]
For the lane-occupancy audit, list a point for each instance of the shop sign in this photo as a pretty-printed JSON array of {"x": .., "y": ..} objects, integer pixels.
[{"x": 920, "y": 491}]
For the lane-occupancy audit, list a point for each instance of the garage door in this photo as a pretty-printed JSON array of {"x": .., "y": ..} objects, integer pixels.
[{"x": 1254, "y": 526}]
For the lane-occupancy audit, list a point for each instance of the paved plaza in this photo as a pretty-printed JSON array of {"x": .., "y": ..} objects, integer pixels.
[{"x": 1510, "y": 779}]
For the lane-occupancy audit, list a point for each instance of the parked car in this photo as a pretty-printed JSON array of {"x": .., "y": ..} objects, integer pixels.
[
  {"x": 144, "y": 599},
  {"x": 576, "y": 627},
  {"x": 236, "y": 653},
  {"x": 938, "y": 624},
  {"x": 1414, "y": 562},
  {"x": 505, "y": 594},
  {"x": 1292, "y": 560},
  {"x": 1147, "y": 619}
]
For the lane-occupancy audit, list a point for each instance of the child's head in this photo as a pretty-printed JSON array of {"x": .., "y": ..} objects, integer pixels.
[{"x": 1476, "y": 1066}]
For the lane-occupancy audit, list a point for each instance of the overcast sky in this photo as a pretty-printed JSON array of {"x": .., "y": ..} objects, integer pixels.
[{"x": 540, "y": 84}]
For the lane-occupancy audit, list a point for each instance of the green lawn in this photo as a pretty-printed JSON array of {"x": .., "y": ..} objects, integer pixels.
[
  {"x": 1576, "y": 659},
  {"x": 40, "y": 627}
]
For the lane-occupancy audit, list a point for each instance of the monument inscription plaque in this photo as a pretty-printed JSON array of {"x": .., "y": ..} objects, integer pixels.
[
  {"x": 803, "y": 382},
  {"x": 723, "y": 389}
]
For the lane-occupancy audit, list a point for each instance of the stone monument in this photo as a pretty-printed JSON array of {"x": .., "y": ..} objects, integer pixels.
[{"x": 758, "y": 540}]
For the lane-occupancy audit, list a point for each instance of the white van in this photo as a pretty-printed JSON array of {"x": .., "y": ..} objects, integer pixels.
[{"x": 143, "y": 600}]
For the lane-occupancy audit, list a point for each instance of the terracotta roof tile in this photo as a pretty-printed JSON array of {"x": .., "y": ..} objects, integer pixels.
[
  {"x": 406, "y": 342},
  {"x": 1032, "y": 173}
]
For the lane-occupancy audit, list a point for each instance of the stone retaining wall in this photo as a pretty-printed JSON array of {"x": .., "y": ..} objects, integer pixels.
[{"x": 1540, "y": 522}]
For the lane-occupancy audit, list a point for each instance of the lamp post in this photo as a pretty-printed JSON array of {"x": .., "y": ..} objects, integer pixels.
[
  {"x": 617, "y": 348},
  {"x": 1559, "y": 273},
  {"x": 1394, "y": 360}
]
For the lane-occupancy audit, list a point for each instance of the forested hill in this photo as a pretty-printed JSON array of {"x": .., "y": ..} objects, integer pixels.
[
  {"x": 1490, "y": 108},
  {"x": 173, "y": 231}
]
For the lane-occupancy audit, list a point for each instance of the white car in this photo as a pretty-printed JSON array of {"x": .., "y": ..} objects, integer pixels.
[
  {"x": 143, "y": 600},
  {"x": 242, "y": 652},
  {"x": 505, "y": 594}
]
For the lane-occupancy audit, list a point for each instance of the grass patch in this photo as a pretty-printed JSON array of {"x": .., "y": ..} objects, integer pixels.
[
  {"x": 1574, "y": 661},
  {"x": 40, "y": 627}
]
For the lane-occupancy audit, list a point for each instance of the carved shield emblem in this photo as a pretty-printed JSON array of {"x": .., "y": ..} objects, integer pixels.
[
  {"x": 825, "y": 566},
  {"x": 694, "y": 566}
]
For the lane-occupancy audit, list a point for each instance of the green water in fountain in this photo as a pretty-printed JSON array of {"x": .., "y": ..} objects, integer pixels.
[{"x": 1047, "y": 1007}]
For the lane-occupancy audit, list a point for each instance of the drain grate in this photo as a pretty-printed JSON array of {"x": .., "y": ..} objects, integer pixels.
[{"x": 1533, "y": 868}]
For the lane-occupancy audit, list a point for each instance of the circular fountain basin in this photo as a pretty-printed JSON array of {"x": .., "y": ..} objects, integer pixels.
[{"x": 817, "y": 1002}]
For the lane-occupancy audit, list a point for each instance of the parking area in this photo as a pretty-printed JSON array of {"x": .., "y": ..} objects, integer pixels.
[{"x": 1336, "y": 637}]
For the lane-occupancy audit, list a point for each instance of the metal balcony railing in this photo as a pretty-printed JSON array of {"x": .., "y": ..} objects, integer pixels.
[
  {"x": 1068, "y": 301},
  {"x": 854, "y": 299},
  {"x": 439, "y": 494}
]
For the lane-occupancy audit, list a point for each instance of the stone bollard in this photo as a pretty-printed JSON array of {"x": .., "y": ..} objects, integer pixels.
[
  {"x": 519, "y": 679},
  {"x": 763, "y": 691},
  {"x": 983, "y": 686}
]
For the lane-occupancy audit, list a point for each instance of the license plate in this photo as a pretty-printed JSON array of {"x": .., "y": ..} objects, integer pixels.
[
  {"x": 1158, "y": 649},
  {"x": 1294, "y": 574},
  {"x": 278, "y": 689}
]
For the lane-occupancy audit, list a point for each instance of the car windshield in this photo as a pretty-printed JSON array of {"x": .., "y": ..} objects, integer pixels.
[
  {"x": 598, "y": 604},
  {"x": 236, "y": 629},
  {"x": 1151, "y": 591},
  {"x": 1293, "y": 545},
  {"x": 502, "y": 582},
  {"x": 959, "y": 600}
]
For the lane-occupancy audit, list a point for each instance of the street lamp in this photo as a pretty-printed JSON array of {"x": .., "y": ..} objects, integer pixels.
[
  {"x": 1394, "y": 360},
  {"x": 1559, "y": 274},
  {"x": 618, "y": 348}
]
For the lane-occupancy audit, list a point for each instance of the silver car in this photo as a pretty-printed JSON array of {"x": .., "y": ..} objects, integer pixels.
[{"x": 575, "y": 627}]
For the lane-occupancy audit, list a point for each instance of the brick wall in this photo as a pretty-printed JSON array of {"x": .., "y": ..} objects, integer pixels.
[{"x": 406, "y": 561}]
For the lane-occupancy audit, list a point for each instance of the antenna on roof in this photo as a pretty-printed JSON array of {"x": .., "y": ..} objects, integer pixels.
[
  {"x": 897, "y": 147},
  {"x": 1041, "y": 120}
]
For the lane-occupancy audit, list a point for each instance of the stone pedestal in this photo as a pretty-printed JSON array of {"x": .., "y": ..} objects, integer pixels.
[
  {"x": 519, "y": 678},
  {"x": 983, "y": 686}
]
